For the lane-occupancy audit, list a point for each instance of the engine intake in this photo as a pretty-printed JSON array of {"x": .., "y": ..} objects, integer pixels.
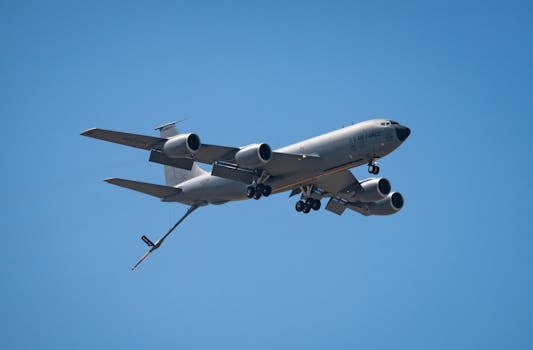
[
  {"x": 254, "y": 156},
  {"x": 374, "y": 190},
  {"x": 182, "y": 145},
  {"x": 390, "y": 205}
]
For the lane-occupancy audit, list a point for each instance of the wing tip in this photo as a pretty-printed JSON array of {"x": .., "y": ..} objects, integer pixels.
[
  {"x": 87, "y": 132},
  {"x": 112, "y": 180}
]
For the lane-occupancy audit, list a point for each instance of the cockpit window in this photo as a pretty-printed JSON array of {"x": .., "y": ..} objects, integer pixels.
[{"x": 389, "y": 123}]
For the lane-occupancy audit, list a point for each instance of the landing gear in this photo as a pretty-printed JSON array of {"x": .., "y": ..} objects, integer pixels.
[
  {"x": 306, "y": 206},
  {"x": 250, "y": 191},
  {"x": 373, "y": 168},
  {"x": 267, "y": 190},
  {"x": 257, "y": 191},
  {"x": 307, "y": 202}
]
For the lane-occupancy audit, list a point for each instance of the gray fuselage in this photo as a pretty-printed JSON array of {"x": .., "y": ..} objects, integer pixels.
[{"x": 338, "y": 150}]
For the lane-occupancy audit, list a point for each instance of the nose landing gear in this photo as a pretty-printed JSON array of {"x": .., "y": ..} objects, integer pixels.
[{"x": 373, "y": 168}]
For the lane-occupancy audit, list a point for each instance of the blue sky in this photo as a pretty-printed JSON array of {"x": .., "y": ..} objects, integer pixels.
[{"x": 451, "y": 270}]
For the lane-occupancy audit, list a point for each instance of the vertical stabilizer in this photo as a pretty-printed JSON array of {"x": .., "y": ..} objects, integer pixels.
[{"x": 175, "y": 176}]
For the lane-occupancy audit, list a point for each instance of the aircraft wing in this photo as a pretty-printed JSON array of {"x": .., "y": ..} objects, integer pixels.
[
  {"x": 283, "y": 163},
  {"x": 280, "y": 162},
  {"x": 342, "y": 184},
  {"x": 340, "y": 187},
  {"x": 209, "y": 154},
  {"x": 124, "y": 138}
]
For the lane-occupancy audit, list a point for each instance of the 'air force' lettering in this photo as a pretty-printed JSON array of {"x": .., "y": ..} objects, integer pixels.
[{"x": 315, "y": 168}]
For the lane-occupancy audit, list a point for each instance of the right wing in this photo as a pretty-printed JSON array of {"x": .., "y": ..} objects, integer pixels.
[
  {"x": 342, "y": 184},
  {"x": 340, "y": 187}
]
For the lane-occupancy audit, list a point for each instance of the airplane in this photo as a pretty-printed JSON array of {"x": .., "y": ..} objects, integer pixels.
[{"x": 315, "y": 168}]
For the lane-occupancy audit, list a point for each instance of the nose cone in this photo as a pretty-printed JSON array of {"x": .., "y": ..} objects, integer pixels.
[{"x": 402, "y": 132}]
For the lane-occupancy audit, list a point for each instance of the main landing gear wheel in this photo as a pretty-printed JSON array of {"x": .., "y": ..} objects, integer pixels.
[
  {"x": 250, "y": 191},
  {"x": 306, "y": 206},
  {"x": 267, "y": 190},
  {"x": 256, "y": 192}
]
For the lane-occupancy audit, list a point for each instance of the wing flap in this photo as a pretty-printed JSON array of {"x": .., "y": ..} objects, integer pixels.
[
  {"x": 342, "y": 183},
  {"x": 158, "y": 191},
  {"x": 208, "y": 154},
  {"x": 335, "y": 206},
  {"x": 124, "y": 138},
  {"x": 228, "y": 171},
  {"x": 161, "y": 158},
  {"x": 283, "y": 163}
]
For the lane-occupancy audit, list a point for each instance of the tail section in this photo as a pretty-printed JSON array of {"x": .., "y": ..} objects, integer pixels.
[{"x": 175, "y": 176}]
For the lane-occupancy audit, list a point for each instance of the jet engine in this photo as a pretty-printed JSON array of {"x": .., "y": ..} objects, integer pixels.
[
  {"x": 182, "y": 145},
  {"x": 390, "y": 205},
  {"x": 253, "y": 156},
  {"x": 374, "y": 190}
]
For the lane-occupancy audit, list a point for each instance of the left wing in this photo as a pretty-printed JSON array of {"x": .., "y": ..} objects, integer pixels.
[
  {"x": 209, "y": 154},
  {"x": 279, "y": 164},
  {"x": 283, "y": 163},
  {"x": 124, "y": 138}
]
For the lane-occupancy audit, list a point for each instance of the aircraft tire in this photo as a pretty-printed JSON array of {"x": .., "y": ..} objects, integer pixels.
[
  {"x": 300, "y": 205},
  {"x": 250, "y": 191},
  {"x": 267, "y": 190},
  {"x": 316, "y": 204}
]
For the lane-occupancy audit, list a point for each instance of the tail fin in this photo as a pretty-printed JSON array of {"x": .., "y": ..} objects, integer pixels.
[{"x": 174, "y": 176}]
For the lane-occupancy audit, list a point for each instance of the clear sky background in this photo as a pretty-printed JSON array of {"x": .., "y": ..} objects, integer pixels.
[{"x": 452, "y": 270}]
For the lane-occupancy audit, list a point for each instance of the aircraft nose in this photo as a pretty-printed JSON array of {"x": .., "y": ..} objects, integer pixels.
[{"x": 402, "y": 132}]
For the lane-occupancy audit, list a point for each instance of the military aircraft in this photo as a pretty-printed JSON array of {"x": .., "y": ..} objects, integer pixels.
[{"x": 315, "y": 168}]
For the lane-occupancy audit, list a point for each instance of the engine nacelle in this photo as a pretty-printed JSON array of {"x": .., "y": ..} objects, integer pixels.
[
  {"x": 374, "y": 190},
  {"x": 253, "y": 156},
  {"x": 390, "y": 205},
  {"x": 181, "y": 146}
]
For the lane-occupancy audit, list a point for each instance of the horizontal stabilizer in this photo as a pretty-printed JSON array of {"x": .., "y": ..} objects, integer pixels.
[
  {"x": 124, "y": 138},
  {"x": 161, "y": 158},
  {"x": 158, "y": 191}
]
